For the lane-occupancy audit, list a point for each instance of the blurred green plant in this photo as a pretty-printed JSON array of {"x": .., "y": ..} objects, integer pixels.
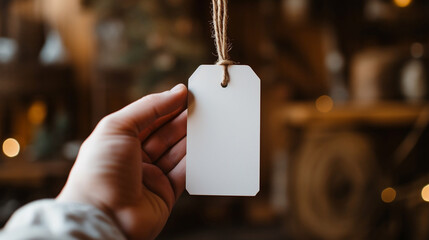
[{"x": 160, "y": 40}]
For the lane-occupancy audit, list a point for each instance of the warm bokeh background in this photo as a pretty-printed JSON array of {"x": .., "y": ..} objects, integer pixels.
[{"x": 345, "y": 145}]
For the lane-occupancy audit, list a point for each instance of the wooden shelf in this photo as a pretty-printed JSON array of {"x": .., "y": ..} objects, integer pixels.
[
  {"x": 384, "y": 113},
  {"x": 30, "y": 79},
  {"x": 19, "y": 172}
]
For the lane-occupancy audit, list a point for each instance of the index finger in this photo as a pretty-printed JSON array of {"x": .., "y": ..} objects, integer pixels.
[{"x": 159, "y": 123}]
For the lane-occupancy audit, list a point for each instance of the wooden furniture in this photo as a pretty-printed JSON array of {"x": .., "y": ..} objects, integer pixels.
[{"x": 339, "y": 162}]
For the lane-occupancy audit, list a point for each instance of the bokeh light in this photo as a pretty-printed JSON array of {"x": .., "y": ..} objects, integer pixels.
[
  {"x": 402, "y": 3},
  {"x": 37, "y": 113},
  {"x": 388, "y": 195},
  {"x": 425, "y": 193},
  {"x": 324, "y": 104},
  {"x": 11, "y": 147}
]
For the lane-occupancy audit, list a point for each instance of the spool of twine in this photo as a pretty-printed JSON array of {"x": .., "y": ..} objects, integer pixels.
[{"x": 333, "y": 182}]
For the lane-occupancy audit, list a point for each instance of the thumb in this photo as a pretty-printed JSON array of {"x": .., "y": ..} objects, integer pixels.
[{"x": 140, "y": 114}]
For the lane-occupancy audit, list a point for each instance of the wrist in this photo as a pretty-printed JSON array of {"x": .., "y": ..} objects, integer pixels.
[{"x": 69, "y": 196}]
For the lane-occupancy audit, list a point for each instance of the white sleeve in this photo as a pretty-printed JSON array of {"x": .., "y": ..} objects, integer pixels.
[{"x": 49, "y": 219}]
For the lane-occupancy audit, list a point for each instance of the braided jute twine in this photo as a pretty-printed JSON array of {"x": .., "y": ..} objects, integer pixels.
[{"x": 220, "y": 18}]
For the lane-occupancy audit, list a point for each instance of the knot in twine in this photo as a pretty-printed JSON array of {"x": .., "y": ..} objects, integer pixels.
[{"x": 220, "y": 18}]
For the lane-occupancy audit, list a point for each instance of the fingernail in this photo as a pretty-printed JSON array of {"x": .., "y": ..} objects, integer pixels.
[{"x": 177, "y": 88}]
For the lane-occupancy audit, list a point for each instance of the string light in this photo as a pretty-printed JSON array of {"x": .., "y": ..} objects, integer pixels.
[
  {"x": 425, "y": 193},
  {"x": 402, "y": 3},
  {"x": 11, "y": 147},
  {"x": 37, "y": 113},
  {"x": 324, "y": 104},
  {"x": 388, "y": 195}
]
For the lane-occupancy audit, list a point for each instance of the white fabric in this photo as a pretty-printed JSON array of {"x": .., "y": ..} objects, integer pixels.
[{"x": 49, "y": 219}]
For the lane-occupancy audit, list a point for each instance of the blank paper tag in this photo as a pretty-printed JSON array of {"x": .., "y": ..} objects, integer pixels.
[{"x": 223, "y": 132}]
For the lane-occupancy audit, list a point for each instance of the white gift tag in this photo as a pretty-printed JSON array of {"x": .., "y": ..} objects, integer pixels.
[{"x": 223, "y": 132}]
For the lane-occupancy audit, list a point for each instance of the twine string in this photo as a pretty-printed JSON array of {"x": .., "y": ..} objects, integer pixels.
[{"x": 220, "y": 18}]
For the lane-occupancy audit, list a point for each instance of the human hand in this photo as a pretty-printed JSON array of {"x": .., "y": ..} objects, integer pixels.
[{"x": 132, "y": 166}]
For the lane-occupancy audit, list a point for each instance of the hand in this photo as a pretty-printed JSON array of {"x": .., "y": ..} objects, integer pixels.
[{"x": 133, "y": 165}]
